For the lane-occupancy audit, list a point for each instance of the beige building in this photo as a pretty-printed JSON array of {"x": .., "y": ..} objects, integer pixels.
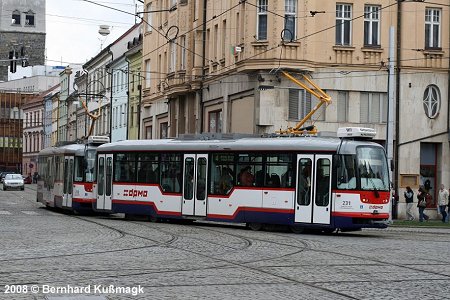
[{"x": 219, "y": 72}]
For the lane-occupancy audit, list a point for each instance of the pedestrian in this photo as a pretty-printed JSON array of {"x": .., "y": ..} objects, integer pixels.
[
  {"x": 422, "y": 196},
  {"x": 443, "y": 202},
  {"x": 409, "y": 199}
]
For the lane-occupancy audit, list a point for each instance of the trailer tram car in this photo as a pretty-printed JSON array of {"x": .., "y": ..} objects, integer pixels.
[
  {"x": 66, "y": 175},
  {"x": 301, "y": 182}
]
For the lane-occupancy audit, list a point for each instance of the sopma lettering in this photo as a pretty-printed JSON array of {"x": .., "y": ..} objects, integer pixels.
[{"x": 135, "y": 193}]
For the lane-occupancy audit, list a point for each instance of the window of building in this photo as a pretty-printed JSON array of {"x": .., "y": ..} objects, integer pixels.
[
  {"x": 223, "y": 39},
  {"x": 132, "y": 117},
  {"x": 371, "y": 25},
  {"x": 15, "y": 20},
  {"x": 300, "y": 104},
  {"x": 262, "y": 20},
  {"x": 432, "y": 28},
  {"x": 29, "y": 19},
  {"x": 173, "y": 56},
  {"x": 215, "y": 121},
  {"x": 148, "y": 132},
  {"x": 183, "y": 52},
  {"x": 149, "y": 17},
  {"x": 147, "y": 73},
  {"x": 342, "y": 106},
  {"x": 290, "y": 10},
  {"x": 373, "y": 108},
  {"x": 432, "y": 101},
  {"x": 164, "y": 130},
  {"x": 343, "y": 24}
]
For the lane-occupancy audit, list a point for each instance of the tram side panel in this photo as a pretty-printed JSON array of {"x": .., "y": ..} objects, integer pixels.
[
  {"x": 252, "y": 205},
  {"x": 145, "y": 199}
]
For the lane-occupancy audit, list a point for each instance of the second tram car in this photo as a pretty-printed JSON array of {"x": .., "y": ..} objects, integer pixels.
[
  {"x": 66, "y": 175},
  {"x": 302, "y": 182}
]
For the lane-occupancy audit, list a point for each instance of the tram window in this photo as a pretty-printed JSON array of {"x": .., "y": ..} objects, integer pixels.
[
  {"x": 170, "y": 172},
  {"x": 372, "y": 168},
  {"x": 101, "y": 172},
  {"x": 78, "y": 172},
  {"x": 279, "y": 171},
  {"x": 304, "y": 182},
  {"x": 201, "y": 178},
  {"x": 90, "y": 165},
  {"x": 125, "y": 166},
  {"x": 148, "y": 168},
  {"x": 346, "y": 172},
  {"x": 222, "y": 173},
  {"x": 250, "y": 170},
  {"x": 322, "y": 182},
  {"x": 189, "y": 178}
]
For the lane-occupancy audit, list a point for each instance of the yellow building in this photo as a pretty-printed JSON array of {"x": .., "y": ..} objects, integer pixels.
[{"x": 213, "y": 66}]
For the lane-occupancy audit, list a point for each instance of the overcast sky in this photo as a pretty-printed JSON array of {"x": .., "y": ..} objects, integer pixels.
[{"x": 72, "y": 28}]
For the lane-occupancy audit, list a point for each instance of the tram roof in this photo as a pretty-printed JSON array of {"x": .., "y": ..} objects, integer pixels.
[
  {"x": 242, "y": 144},
  {"x": 74, "y": 149}
]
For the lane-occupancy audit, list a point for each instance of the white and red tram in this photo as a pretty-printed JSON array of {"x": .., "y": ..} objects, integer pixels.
[
  {"x": 66, "y": 175},
  {"x": 323, "y": 183}
]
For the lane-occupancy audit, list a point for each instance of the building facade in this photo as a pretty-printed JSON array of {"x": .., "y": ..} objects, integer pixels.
[
  {"x": 214, "y": 66},
  {"x": 33, "y": 130},
  {"x": 120, "y": 99},
  {"x": 134, "y": 59}
]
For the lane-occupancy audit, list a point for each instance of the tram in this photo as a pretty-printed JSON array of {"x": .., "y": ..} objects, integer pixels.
[
  {"x": 66, "y": 175},
  {"x": 302, "y": 182}
]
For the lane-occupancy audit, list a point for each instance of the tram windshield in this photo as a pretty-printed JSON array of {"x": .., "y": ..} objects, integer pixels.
[
  {"x": 89, "y": 171},
  {"x": 367, "y": 170}
]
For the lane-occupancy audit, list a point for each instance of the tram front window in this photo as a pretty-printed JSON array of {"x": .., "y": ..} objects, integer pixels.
[
  {"x": 372, "y": 168},
  {"x": 346, "y": 172},
  {"x": 90, "y": 165}
]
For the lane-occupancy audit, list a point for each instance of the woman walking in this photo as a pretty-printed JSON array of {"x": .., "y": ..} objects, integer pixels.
[{"x": 422, "y": 204}]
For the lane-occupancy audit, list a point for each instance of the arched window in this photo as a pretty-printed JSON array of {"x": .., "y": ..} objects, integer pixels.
[
  {"x": 15, "y": 20},
  {"x": 29, "y": 18},
  {"x": 432, "y": 101}
]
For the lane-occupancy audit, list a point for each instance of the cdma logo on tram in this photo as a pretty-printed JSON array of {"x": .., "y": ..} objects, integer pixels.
[{"x": 135, "y": 193}]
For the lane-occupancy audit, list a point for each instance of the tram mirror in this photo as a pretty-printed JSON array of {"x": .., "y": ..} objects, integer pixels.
[{"x": 392, "y": 165}]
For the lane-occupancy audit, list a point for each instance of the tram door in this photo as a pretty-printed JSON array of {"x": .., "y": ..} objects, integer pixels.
[
  {"x": 104, "y": 182},
  {"x": 195, "y": 178},
  {"x": 68, "y": 181},
  {"x": 313, "y": 189}
]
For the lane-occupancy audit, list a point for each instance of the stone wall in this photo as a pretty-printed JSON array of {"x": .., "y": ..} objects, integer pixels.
[{"x": 34, "y": 44}]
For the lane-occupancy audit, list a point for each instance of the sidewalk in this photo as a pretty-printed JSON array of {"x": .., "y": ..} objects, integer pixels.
[{"x": 431, "y": 223}]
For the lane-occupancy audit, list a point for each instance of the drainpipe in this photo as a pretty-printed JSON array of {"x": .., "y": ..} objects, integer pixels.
[
  {"x": 448, "y": 92},
  {"x": 128, "y": 94},
  {"x": 397, "y": 93},
  {"x": 203, "y": 65},
  {"x": 111, "y": 97}
]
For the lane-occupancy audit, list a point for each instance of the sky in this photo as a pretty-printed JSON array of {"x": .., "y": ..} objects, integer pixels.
[{"x": 72, "y": 28}]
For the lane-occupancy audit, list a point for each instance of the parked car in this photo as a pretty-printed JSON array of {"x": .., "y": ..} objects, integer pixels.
[
  {"x": 3, "y": 174},
  {"x": 27, "y": 179},
  {"x": 13, "y": 181}
]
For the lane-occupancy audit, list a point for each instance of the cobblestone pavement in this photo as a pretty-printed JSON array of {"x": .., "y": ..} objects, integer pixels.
[{"x": 49, "y": 249}]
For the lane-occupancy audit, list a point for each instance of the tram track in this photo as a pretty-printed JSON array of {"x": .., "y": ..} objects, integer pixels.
[{"x": 243, "y": 265}]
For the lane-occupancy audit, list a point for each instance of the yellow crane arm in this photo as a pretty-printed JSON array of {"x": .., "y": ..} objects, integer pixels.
[
  {"x": 93, "y": 117},
  {"x": 317, "y": 92}
]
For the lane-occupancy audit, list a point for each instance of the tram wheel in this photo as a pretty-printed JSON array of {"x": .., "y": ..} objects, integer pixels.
[
  {"x": 255, "y": 226},
  {"x": 297, "y": 229},
  {"x": 154, "y": 219},
  {"x": 328, "y": 230}
]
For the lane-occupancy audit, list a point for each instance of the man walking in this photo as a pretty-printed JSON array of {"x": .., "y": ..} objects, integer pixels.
[
  {"x": 443, "y": 202},
  {"x": 409, "y": 199}
]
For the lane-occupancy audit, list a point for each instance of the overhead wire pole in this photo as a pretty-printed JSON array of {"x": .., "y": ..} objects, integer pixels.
[{"x": 390, "y": 116}]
